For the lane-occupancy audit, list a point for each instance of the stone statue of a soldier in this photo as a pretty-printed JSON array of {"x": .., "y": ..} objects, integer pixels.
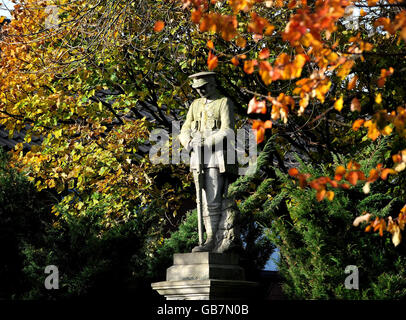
[{"x": 209, "y": 122}]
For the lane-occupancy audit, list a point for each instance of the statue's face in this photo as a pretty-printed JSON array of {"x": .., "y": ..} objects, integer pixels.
[{"x": 207, "y": 90}]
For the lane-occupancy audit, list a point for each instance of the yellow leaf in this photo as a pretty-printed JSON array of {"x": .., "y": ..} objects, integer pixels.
[
  {"x": 397, "y": 236},
  {"x": 51, "y": 183},
  {"x": 367, "y": 188},
  {"x": 345, "y": 69},
  {"x": 373, "y": 132},
  {"x": 58, "y": 133},
  {"x": 360, "y": 219},
  {"x": 338, "y": 105},
  {"x": 378, "y": 98},
  {"x": 330, "y": 195},
  {"x": 387, "y": 130}
]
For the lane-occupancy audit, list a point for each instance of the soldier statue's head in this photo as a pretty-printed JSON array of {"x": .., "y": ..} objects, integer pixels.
[{"x": 204, "y": 83}]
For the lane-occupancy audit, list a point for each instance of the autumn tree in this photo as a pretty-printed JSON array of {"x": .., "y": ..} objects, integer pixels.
[{"x": 94, "y": 101}]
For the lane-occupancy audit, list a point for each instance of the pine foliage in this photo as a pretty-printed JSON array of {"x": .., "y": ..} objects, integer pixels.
[{"x": 317, "y": 239}]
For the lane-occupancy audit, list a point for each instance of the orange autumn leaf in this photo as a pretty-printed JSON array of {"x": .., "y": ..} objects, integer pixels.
[
  {"x": 357, "y": 124},
  {"x": 256, "y": 124},
  {"x": 293, "y": 172},
  {"x": 382, "y": 227},
  {"x": 266, "y": 72},
  {"x": 196, "y": 15},
  {"x": 345, "y": 69},
  {"x": 320, "y": 194},
  {"x": 386, "y": 172},
  {"x": 339, "y": 173},
  {"x": 361, "y": 175},
  {"x": 249, "y": 66},
  {"x": 212, "y": 61},
  {"x": 302, "y": 180},
  {"x": 397, "y": 158},
  {"x": 384, "y": 74},
  {"x": 258, "y": 24},
  {"x": 159, "y": 26},
  {"x": 352, "y": 177},
  {"x": 333, "y": 183},
  {"x": 352, "y": 165},
  {"x": 373, "y": 175},
  {"x": 240, "y": 5},
  {"x": 352, "y": 83},
  {"x": 260, "y": 134},
  {"x": 235, "y": 61},
  {"x": 260, "y": 127},
  {"x": 355, "y": 105},
  {"x": 225, "y": 25},
  {"x": 241, "y": 42},
  {"x": 264, "y": 53},
  {"x": 344, "y": 186},
  {"x": 255, "y": 106},
  {"x": 210, "y": 44},
  {"x": 316, "y": 184},
  {"x": 268, "y": 124}
]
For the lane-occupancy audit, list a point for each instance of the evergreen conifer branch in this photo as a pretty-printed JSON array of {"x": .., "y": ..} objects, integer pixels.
[{"x": 242, "y": 184}]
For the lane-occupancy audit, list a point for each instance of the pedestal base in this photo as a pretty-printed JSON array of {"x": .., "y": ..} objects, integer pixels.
[
  {"x": 205, "y": 289},
  {"x": 205, "y": 276},
  {"x": 204, "y": 266}
]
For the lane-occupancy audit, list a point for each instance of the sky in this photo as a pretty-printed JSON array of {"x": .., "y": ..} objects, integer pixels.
[
  {"x": 3, "y": 10},
  {"x": 271, "y": 264}
]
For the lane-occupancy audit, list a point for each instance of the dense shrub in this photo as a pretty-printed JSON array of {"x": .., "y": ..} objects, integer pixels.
[
  {"x": 23, "y": 215},
  {"x": 317, "y": 239}
]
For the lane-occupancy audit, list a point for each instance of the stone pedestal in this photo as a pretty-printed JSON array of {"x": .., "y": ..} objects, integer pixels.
[{"x": 205, "y": 276}]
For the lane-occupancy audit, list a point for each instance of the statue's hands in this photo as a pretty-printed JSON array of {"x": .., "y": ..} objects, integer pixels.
[{"x": 196, "y": 141}]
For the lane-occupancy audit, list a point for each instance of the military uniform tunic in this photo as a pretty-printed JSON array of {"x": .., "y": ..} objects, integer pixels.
[{"x": 213, "y": 120}]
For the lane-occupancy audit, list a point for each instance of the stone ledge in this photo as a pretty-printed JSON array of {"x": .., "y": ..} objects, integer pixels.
[
  {"x": 205, "y": 258},
  {"x": 206, "y": 289},
  {"x": 204, "y": 272}
]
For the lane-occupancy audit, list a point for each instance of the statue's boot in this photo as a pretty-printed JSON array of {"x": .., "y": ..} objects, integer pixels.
[{"x": 211, "y": 225}]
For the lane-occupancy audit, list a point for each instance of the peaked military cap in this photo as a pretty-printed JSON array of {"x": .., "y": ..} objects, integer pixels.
[{"x": 202, "y": 78}]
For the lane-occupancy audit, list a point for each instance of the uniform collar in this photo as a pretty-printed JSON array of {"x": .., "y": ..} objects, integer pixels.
[{"x": 215, "y": 97}]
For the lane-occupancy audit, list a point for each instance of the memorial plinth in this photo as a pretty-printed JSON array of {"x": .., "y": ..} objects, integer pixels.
[{"x": 205, "y": 276}]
